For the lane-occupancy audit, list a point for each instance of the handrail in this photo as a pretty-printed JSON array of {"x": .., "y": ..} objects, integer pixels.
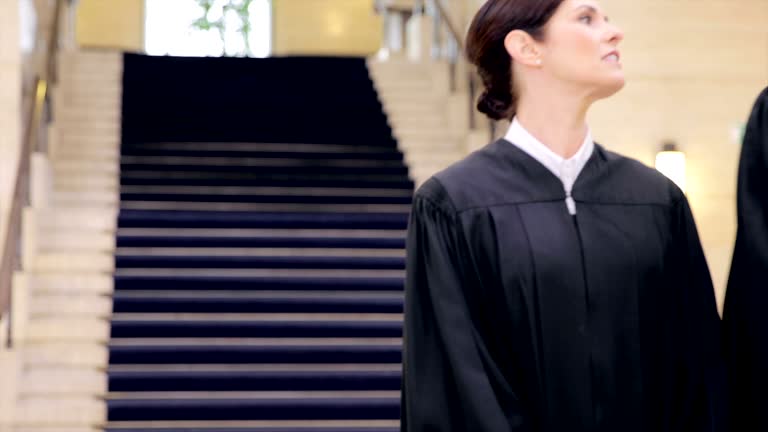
[
  {"x": 449, "y": 24},
  {"x": 10, "y": 260},
  {"x": 472, "y": 77}
]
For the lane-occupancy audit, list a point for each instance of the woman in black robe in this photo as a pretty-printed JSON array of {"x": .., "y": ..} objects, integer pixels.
[
  {"x": 552, "y": 285},
  {"x": 746, "y": 301}
]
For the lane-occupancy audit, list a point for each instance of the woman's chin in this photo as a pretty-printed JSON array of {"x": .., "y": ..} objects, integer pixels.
[{"x": 610, "y": 86}]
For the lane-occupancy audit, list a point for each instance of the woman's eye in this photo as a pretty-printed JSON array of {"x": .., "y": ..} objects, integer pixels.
[{"x": 586, "y": 19}]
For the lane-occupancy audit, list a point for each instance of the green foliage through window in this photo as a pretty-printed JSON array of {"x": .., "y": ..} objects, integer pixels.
[{"x": 240, "y": 9}]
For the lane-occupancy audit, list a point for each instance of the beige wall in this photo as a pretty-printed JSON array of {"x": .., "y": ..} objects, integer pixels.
[
  {"x": 111, "y": 24},
  {"x": 694, "y": 69},
  {"x": 326, "y": 27},
  {"x": 10, "y": 106}
]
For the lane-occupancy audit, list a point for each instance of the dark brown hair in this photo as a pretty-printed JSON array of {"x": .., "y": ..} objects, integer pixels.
[{"x": 485, "y": 48}]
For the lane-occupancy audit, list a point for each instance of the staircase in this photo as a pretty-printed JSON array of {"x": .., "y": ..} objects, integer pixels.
[
  {"x": 260, "y": 249},
  {"x": 430, "y": 124},
  {"x": 62, "y": 297}
]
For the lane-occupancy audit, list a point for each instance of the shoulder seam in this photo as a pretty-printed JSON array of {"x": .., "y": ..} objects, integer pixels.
[{"x": 452, "y": 212}]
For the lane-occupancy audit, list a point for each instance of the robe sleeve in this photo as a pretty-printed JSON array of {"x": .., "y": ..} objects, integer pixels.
[
  {"x": 448, "y": 383},
  {"x": 752, "y": 239},
  {"x": 744, "y": 317},
  {"x": 702, "y": 378}
]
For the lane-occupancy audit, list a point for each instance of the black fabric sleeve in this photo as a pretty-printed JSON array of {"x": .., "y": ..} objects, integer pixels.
[
  {"x": 447, "y": 383},
  {"x": 744, "y": 317}
]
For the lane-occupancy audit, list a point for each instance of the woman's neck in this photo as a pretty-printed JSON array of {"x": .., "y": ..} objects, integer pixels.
[{"x": 558, "y": 123}]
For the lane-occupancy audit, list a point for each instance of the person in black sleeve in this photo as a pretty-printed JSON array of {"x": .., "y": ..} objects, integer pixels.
[{"x": 746, "y": 300}]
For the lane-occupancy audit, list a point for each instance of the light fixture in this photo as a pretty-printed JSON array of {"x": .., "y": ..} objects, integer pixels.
[{"x": 670, "y": 161}]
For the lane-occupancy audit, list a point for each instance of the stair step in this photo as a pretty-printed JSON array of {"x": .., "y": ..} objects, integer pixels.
[
  {"x": 247, "y": 262},
  {"x": 81, "y": 92},
  {"x": 85, "y": 187},
  {"x": 251, "y": 301},
  {"x": 263, "y": 165},
  {"x": 255, "y": 328},
  {"x": 240, "y": 380},
  {"x": 255, "y": 426},
  {"x": 324, "y": 192},
  {"x": 213, "y": 219},
  {"x": 209, "y": 245},
  {"x": 75, "y": 241},
  {"x": 174, "y": 282},
  {"x": 70, "y": 283},
  {"x": 87, "y": 428},
  {"x": 71, "y": 306},
  {"x": 247, "y": 406},
  {"x": 256, "y": 208},
  {"x": 88, "y": 128},
  {"x": 60, "y": 411},
  {"x": 255, "y": 179},
  {"x": 88, "y": 140},
  {"x": 90, "y": 114},
  {"x": 237, "y": 352},
  {"x": 256, "y": 199},
  {"x": 254, "y": 151},
  {"x": 65, "y": 355},
  {"x": 69, "y": 382},
  {"x": 104, "y": 156},
  {"x": 229, "y": 234},
  {"x": 89, "y": 197},
  {"x": 83, "y": 218},
  {"x": 257, "y": 302},
  {"x": 87, "y": 167},
  {"x": 85, "y": 83},
  {"x": 68, "y": 329},
  {"x": 267, "y": 275},
  {"x": 71, "y": 262}
]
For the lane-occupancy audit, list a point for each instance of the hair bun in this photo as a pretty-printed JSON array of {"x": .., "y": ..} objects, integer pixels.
[{"x": 497, "y": 106}]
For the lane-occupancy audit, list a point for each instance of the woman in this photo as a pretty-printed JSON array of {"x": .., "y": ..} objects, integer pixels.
[
  {"x": 744, "y": 316},
  {"x": 553, "y": 285}
]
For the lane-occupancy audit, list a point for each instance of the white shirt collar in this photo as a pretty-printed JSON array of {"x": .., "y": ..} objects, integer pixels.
[{"x": 567, "y": 170}]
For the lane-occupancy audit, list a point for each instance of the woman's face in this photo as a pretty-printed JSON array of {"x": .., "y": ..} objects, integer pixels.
[{"x": 581, "y": 48}]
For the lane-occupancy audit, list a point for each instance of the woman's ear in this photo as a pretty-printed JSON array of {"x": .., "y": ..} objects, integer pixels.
[{"x": 522, "y": 48}]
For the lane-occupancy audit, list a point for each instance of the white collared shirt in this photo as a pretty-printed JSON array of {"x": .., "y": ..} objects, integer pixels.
[{"x": 567, "y": 170}]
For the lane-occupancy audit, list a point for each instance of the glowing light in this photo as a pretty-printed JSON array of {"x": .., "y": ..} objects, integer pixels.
[{"x": 671, "y": 162}]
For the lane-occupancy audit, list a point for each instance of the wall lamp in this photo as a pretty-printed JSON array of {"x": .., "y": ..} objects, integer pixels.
[{"x": 670, "y": 161}]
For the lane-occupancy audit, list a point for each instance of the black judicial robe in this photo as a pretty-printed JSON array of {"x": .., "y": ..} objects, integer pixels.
[
  {"x": 521, "y": 317},
  {"x": 745, "y": 317}
]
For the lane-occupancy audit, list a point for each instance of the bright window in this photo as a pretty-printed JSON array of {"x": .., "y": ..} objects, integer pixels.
[{"x": 208, "y": 28}]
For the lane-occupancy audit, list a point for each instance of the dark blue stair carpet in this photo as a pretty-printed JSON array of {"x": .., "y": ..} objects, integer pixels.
[
  {"x": 229, "y": 179},
  {"x": 254, "y": 329},
  {"x": 233, "y": 219},
  {"x": 261, "y": 242},
  {"x": 306, "y": 152},
  {"x": 276, "y": 262},
  {"x": 349, "y": 408},
  {"x": 194, "y": 283},
  {"x": 244, "y": 354},
  {"x": 272, "y": 180},
  {"x": 146, "y": 150},
  {"x": 255, "y": 305},
  {"x": 307, "y": 199},
  {"x": 265, "y": 167},
  {"x": 260, "y": 429},
  {"x": 236, "y": 380}
]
